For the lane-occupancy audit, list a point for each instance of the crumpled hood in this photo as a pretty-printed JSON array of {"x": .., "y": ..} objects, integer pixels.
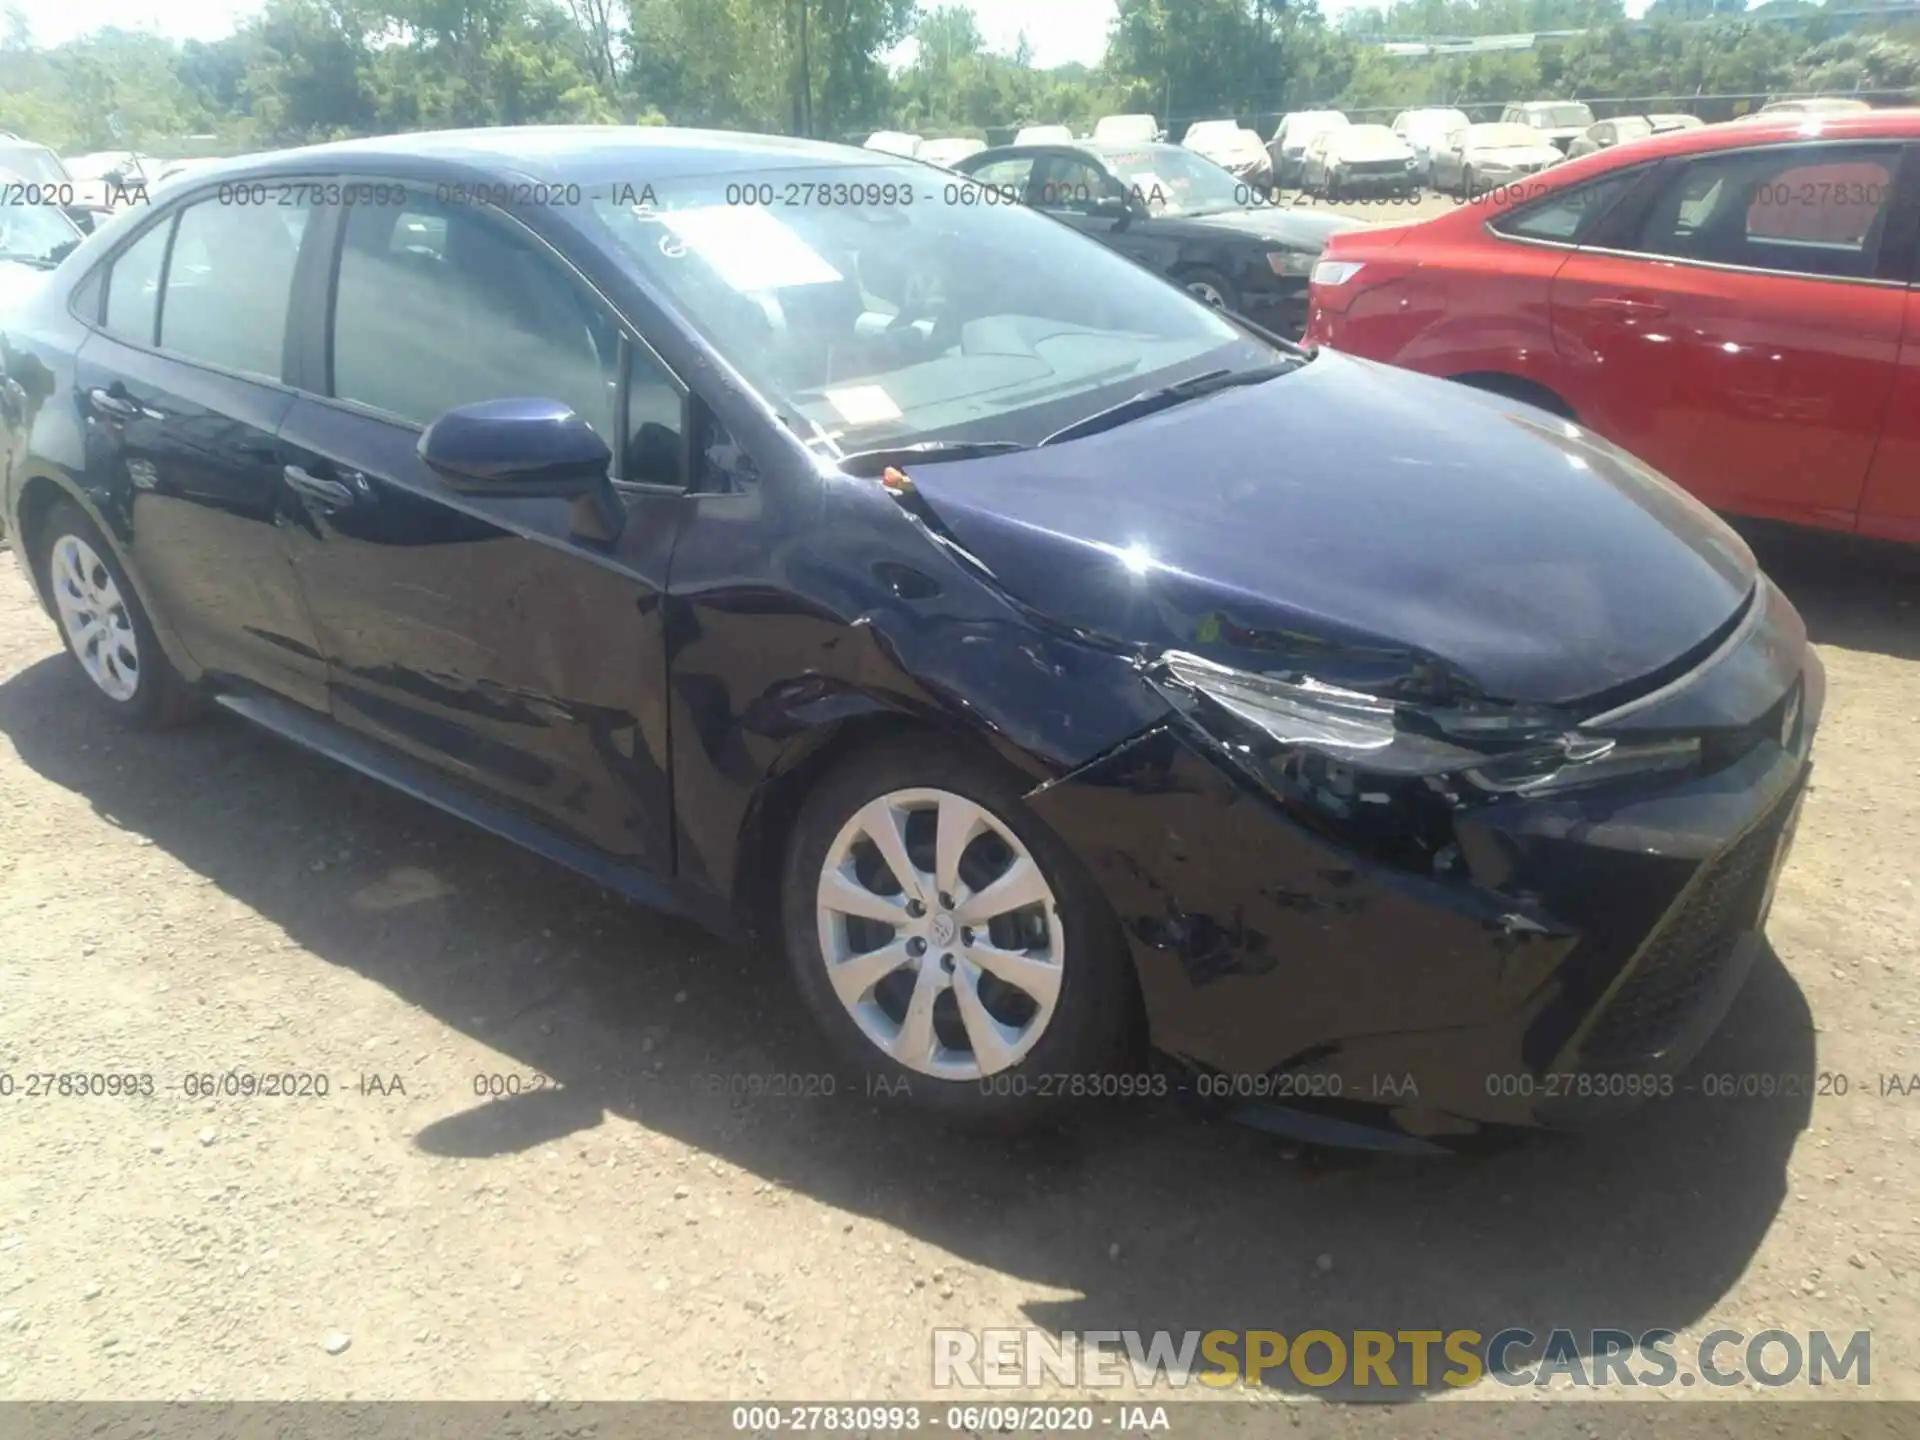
[
  {"x": 1297, "y": 228},
  {"x": 1358, "y": 521}
]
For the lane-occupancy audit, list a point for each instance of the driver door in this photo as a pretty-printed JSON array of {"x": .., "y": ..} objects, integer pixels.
[{"x": 483, "y": 635}]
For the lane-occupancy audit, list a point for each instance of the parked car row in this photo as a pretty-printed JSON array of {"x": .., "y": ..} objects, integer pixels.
[
  {"x": 1055, "y": 670},
  {"x": 1734, "y": 304}
]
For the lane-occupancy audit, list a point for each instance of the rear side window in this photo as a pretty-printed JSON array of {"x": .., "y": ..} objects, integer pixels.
[
  {"x": 133, "y": 287},
  {"x": 229, "y": 285},
  {"x": 1809, "y": 210},
  {"x": 1567, "y": 215}
]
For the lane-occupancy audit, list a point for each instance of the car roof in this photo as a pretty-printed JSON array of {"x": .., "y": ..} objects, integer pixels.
[{"x": 575, "y": 152}]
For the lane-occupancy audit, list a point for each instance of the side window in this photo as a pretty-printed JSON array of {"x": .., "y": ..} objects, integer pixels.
[
  {"x": 1566, "y": 215},
  {"x": 133, "y": 287},
  {"x": 1010, "y": 176},
  {"x": 1814, "y": 211},
  {"x": 1822, "y": 204},
  {"x": 229, "y": 284},
  {"x": 442, "y": 306},
  {"x": 1069, "y": 183}
]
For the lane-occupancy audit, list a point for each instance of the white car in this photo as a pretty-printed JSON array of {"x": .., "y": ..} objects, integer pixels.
[
  {"x": 33, "y": 239},
  {"x": 949, "y": 151},
  {"x": 895, "y": 142},
  {"x": 1044, "y": 135},
  {"x": 1480, "y": 157},
  {"x": 1425, "y": 129},
  {"x": 1815, "y": 105},
  {"x": 1127, "y": 129},
  {"x": 1351, "y": 160},
  {"x": 1559, "y": 122},
  {"x": 1232, "y": 147},
  {"x": 1291, "y": 137}
]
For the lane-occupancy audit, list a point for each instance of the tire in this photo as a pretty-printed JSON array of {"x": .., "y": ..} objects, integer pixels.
[
  {"x": 1466, "y": 184},
  {"x": 120, "y": 662},
  {"x": 1085, "y": 1028},
  {"x": 1200, "y": 281}
]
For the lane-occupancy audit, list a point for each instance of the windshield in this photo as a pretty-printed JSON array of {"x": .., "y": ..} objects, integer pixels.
[
  {"x": 1212, "y": 132},
  {"x": 35, "y": 234},
  {"x": 897, "y": 320},
  {"x": 1558, "y": 116},
  {"x": 1432, "y": 122},
  {"x": 1364, "y": 139},
  {"x": 1502, "y": 137},
  {"x": 1631, "y": 128},
  {"x": 33, "y": 163},
  {"x": 1175, "y": 181},
  {"x": 1127, "y": 127},
  {"x": 1304, "y": 126}
]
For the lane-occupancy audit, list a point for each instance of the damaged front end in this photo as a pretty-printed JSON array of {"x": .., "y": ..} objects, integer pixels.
[{"x": 1429, "y": 916}]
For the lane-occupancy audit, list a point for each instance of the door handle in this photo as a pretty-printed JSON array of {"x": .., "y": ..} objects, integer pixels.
[
  {"x": 1626, "y": 305},
  {"x": 326, "y": 491},
  {"x": 114, "y": 407}
]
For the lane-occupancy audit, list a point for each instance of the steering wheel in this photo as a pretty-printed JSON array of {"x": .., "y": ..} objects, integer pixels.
[{"x": 924, "y": 297}]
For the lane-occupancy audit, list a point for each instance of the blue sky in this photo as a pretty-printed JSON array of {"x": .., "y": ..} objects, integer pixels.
[{"x": 1060, "y": 30}]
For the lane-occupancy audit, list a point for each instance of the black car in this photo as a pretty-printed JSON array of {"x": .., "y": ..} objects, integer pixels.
[
  {"x": 1177, "y": 213},
  {"x": 1057, "y": 670}
]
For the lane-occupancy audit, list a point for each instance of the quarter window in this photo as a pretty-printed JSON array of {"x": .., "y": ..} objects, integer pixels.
[
  {"x": 229, "y": 283},
  {"x": 443, "y": 306},
  {"x": 1814, "y": 211},
  {"x": 133, "y": 287},
  {"x": 1567, "y": 214}
]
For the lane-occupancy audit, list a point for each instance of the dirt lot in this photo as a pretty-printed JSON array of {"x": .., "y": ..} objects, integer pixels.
[{"x": 213, "y": 900}]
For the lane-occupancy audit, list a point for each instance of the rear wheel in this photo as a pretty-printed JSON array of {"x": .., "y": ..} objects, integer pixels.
[
  {"x": 106, "y": 630},
  {"x": 948, "y": 943}
]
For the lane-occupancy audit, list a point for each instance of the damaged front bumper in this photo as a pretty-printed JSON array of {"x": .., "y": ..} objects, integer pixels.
[{"x": 1574, "y": 962}]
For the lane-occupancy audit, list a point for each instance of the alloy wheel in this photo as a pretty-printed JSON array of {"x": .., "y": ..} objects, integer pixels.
[
  {"x": 1208, "y": 293},
  {"x": 941, "y": 934},
  {"x": 95, "y": 618}
]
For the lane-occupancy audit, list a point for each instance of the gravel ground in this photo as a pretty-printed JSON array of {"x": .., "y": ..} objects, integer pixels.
[{"x": 213, "y": 900}]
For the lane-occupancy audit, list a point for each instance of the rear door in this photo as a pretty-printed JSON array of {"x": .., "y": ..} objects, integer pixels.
[
  {"x": 487, "y": 636},
  {"x": 183, "y": 383},
  {"x": 1739, "y": 328},
  {"x": 1890, "y": 507}
]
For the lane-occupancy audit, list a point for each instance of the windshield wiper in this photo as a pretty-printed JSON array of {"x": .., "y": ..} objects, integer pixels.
[
  {"x": 1209, "y": 382},
  {"x": 873, "y": 462}
]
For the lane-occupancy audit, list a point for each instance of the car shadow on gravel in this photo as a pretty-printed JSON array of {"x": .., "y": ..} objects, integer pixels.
[
  {"x": 1151, "y": 1218},
  {"x": 1853, "y": 593}
]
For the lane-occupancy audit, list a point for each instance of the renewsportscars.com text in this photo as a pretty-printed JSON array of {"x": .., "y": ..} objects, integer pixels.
[{"x": 1383, "y": 1359}]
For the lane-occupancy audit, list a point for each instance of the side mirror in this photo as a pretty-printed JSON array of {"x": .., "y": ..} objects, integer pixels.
[
  {"x": 526, "y": 449},
  {"x": 1112, "y": 207}
]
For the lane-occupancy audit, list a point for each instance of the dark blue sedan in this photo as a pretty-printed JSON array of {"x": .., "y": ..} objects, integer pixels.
[{"x": 1089, "y": 693}]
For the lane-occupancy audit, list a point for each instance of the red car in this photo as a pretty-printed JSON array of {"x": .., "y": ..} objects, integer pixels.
[{"x": 1733, "y": 304}]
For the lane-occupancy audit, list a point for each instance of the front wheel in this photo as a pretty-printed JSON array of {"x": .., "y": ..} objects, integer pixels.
[
  {"x": 949, "y": 943},
  {"x": 106, "y": 630},
  {"x": 1212, "y": 287}
]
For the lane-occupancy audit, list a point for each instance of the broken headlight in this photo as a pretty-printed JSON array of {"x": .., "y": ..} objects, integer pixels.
[{"x": 1499, "y": 750}]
